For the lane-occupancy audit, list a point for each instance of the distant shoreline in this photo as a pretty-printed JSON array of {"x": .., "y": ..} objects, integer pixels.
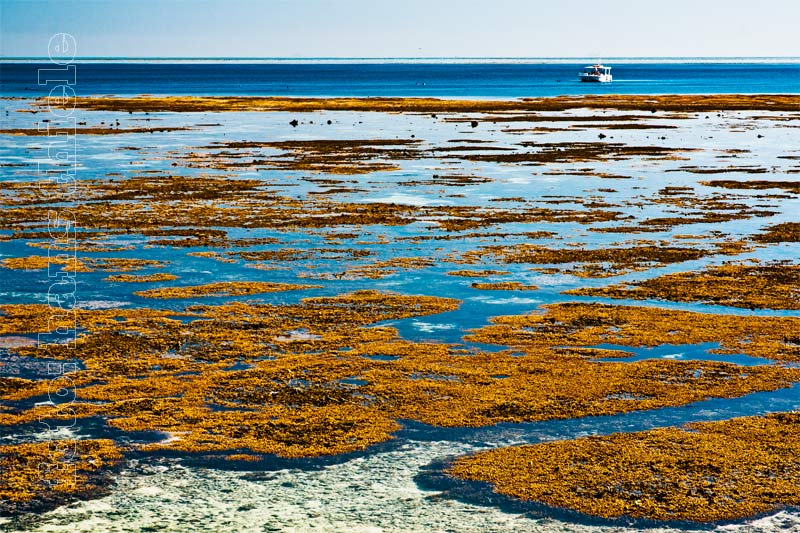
[{"x": 625, "y": 102}]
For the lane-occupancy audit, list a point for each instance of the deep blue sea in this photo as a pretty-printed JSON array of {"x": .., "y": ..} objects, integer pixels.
[{"x": 453, "y": 79}]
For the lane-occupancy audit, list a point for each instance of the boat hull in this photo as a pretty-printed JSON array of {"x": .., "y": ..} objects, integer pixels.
[{"x": 599, "y": 78}]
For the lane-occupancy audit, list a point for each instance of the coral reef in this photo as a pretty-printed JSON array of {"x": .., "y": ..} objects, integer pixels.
[
  {"x": 768, "y": 286},
  {"x": 706, "y": 472}
]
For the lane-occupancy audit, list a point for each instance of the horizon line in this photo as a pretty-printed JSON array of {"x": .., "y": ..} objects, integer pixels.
[{"x": 397, "y": 57}]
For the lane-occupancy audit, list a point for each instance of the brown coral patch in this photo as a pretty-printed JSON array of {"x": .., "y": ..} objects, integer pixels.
[
  {"x": 504, "y": 286},
  {"x": 681, "y": 103},
  {"x": 596, "y": 263},
  {"x": 758, "y": 185},
  {"x": 86, "y": 131},
  {"x": 244, "y": 206},
  {"x": 222, "y": 288},
  {"x": 46, "y": 474},
  {"x": 147, "y": 278},
  {"x": 770, "y": 286},
  {"x": 590, "y": 324},
  {"x": 321, "y": 377},
  {"x": 83, "y": 264},
  {"x": 540, "y": 153},
  {"x": 40, "y": 262},
  {"x": 351, "y": 156},
  {"x": 478, "y": 273},
  {"x": 785, "y": 232},
  {"x": 710, "y": 471},
  {"x": 376, "y": 269},
  {"x": 753, "y": 169}
]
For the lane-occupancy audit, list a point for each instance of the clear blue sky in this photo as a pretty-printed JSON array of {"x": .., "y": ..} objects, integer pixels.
[{"x": 404, "y": 28}]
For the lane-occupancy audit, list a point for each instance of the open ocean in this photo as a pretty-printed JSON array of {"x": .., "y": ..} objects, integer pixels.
[{"x": 411, "y": 78}]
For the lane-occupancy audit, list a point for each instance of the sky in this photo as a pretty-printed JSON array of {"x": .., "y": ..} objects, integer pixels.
[{"x": 404, "y": 28}]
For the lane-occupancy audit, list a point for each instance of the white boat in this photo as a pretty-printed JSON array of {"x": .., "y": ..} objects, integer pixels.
[{"x": 596, "y": 73}]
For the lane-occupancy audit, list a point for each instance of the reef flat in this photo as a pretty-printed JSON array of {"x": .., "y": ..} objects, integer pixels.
[{"x": 316, "y": 279}]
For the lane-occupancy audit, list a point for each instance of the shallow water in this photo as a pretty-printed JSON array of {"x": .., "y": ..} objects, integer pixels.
[
  {"x": 384, "y": 489},
  {"x": 379, "y": 492}
]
